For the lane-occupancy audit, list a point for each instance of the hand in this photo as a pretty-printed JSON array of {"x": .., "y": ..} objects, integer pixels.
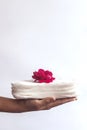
[
  {"x": 45, "y": 104},
  {"x": 25, "y": 105}
]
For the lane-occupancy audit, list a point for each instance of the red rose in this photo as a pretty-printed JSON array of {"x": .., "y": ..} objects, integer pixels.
[{"x": 43, "y": 76}]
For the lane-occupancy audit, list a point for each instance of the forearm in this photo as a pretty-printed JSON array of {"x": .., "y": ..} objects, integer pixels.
[{"x": 11, "y": 105}]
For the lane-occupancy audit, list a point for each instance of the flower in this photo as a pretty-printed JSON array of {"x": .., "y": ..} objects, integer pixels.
[{"x": 43, "y": 76}]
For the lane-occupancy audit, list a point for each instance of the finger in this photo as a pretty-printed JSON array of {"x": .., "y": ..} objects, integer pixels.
[{"x": 58, "y": 102}]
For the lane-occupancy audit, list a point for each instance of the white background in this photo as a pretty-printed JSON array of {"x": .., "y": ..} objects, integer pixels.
[{"x": 48, "y": 34}]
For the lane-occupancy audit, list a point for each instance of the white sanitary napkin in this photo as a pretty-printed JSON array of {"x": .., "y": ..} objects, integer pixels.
[{"x": 30, "y": 89}]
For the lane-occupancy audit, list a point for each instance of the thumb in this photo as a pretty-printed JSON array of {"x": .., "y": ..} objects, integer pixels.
[{"x": 46, "y": 101}]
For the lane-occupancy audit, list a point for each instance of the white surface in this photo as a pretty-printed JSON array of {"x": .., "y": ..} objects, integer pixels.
[{"x": 48, "y": 34}]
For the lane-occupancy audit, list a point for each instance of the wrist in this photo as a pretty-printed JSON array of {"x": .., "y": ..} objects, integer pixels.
[{"x": 21, "y": 105}]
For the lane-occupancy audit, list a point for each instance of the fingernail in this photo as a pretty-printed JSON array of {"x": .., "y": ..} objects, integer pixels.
[
  {"x": 54, "y": 98},
  {"x": 75, "y": 99}
]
